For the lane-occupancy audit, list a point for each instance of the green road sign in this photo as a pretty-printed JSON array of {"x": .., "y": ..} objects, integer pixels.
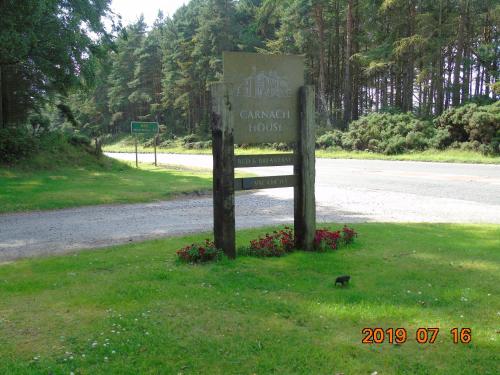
[{"x": 139, "y": 127}]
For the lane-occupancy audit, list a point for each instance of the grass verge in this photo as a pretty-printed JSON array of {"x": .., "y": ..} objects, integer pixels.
[
  {"x": 78, "y": 179},
  {"x": 125, "y": 144},
  {"x": 448, "y": 156},
  {"x": 132, "y": 309}
]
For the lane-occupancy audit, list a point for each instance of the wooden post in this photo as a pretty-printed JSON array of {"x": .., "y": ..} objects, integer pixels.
[
  {"x": 304, "y": 169},
  {"x": 223, "y": 170},
  {"x": 136, "y": 157}
]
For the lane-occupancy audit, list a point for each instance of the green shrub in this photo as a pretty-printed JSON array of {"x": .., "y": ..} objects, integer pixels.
[
  {"x": 470, "y": 123},
  {"x": 79, "y": 139},
  {"x": 281, "y": 146},
  {"x": 484, "y": 124},
  {"x": 389, "y": 133},
  {"x": 395, "y": 145},
  {"x": 454, "y": 120},
  {"x": 202, "y": 145},
  {"x": 191, "y": 138},
  {"x": 150, "y": 142},
  {"x": 39, "y": 123},
  {"x": 167, "y": 144},
  {"x": 330, "y": 139},
  {"x": 416, "y": 140},
  {"x": 16, "y": 143}
]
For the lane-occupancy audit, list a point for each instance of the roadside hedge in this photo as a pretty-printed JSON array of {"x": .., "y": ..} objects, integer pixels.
[{"x": 470, "y": 127}]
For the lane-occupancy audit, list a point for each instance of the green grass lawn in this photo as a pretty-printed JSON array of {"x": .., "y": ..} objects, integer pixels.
[
  {"x": 449, "y": 156},
  {"x": 178, "y": 149},
  {"x": 93, "y": 183},
  {"x": 133, "y": 310},
  {"x": 125, "y": 144}
]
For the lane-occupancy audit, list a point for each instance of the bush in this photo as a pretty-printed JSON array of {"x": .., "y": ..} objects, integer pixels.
[
  {"x": 167, "y": 144},
  {"x": 484, "y": 124},
  {"x": 39, "y": 123},
  {"x": 200, "y": 253},
  {"x": 395, "y": 145},
  {"x": 150, "y": 142},
  {"x": 330, "y": 139},
  {"x": 281, "y": 146},
  {"x": 16, "y": 143},
  {"x": 386, "y": 133},
  {"x": 191, "y": 138},
  {"x": 202, "y": 145},
  {"x": 470, "y": 123},
  {"x": 79, "y": 139},
  {"x": 453, "y": 121}
]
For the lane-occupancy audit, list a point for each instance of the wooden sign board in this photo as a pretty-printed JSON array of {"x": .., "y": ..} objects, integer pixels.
[
  {"x": 139, "y": 127},
  {"x": 271, "y": 160},
  {"x": 263, "y": 99},
  {"x": 264, "y": 96},
  {"x": 272, "y": 182}
]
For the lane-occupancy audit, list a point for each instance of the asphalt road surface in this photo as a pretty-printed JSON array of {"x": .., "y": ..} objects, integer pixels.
[{"x": 346, "y": 191}]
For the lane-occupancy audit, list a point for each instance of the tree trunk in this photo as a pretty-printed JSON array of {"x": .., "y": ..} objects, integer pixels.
[
  {"x": 448, "y": 80},
  {"x": 338, "y": 67},
  {"x": 439, "y": 77},
  {"x": 357, "y": 95},
  {"x": 320, "y": 23},
  {"x": 466, "y": 53},
  {"x": 455, "y": 99},
  {"x": 384, "y": 92},
  {"x": 347, "y": 72}
]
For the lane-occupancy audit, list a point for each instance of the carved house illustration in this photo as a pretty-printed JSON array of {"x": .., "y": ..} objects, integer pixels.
[{"x": 264, "y": 85}]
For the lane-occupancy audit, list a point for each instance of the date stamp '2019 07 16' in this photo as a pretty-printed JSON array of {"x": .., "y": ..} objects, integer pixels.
[{"x": 422, "y": 335}]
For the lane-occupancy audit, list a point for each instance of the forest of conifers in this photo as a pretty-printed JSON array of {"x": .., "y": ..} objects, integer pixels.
[{"x": 363, "y": 56}]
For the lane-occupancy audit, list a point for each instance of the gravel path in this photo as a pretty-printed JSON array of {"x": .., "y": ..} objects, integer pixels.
[{"x": 346, "y": 190}]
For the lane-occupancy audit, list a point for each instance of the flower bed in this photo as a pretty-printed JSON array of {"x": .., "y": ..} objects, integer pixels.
[
  {"x": 200, "y": 253},
  {"x": 326, "y": 239},
  {"x": 276, "y": 244},
  {"x": 282, "y": 242}
]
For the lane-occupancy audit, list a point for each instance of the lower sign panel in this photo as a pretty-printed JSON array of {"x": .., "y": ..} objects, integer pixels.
[
  {"x": 248, "y": 161},
  {"x": 264, "y": 182}
]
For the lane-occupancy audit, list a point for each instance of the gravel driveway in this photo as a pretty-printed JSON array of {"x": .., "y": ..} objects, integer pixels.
[{"x": 346, "y": 191}]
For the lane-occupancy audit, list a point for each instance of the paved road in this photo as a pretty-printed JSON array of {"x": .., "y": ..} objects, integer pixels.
[{"x": 346, "y": 190}]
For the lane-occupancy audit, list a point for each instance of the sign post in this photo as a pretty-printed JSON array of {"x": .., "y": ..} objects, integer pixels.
[
  {"x": 262, "y": 99},
  {"x": 223, "y": 169},
  {"x": 148, "y": 128},
  {"x": 155, "y": 142},
  {"x": 305, "y": 172},
  {"x": 136, "y": 156}
]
